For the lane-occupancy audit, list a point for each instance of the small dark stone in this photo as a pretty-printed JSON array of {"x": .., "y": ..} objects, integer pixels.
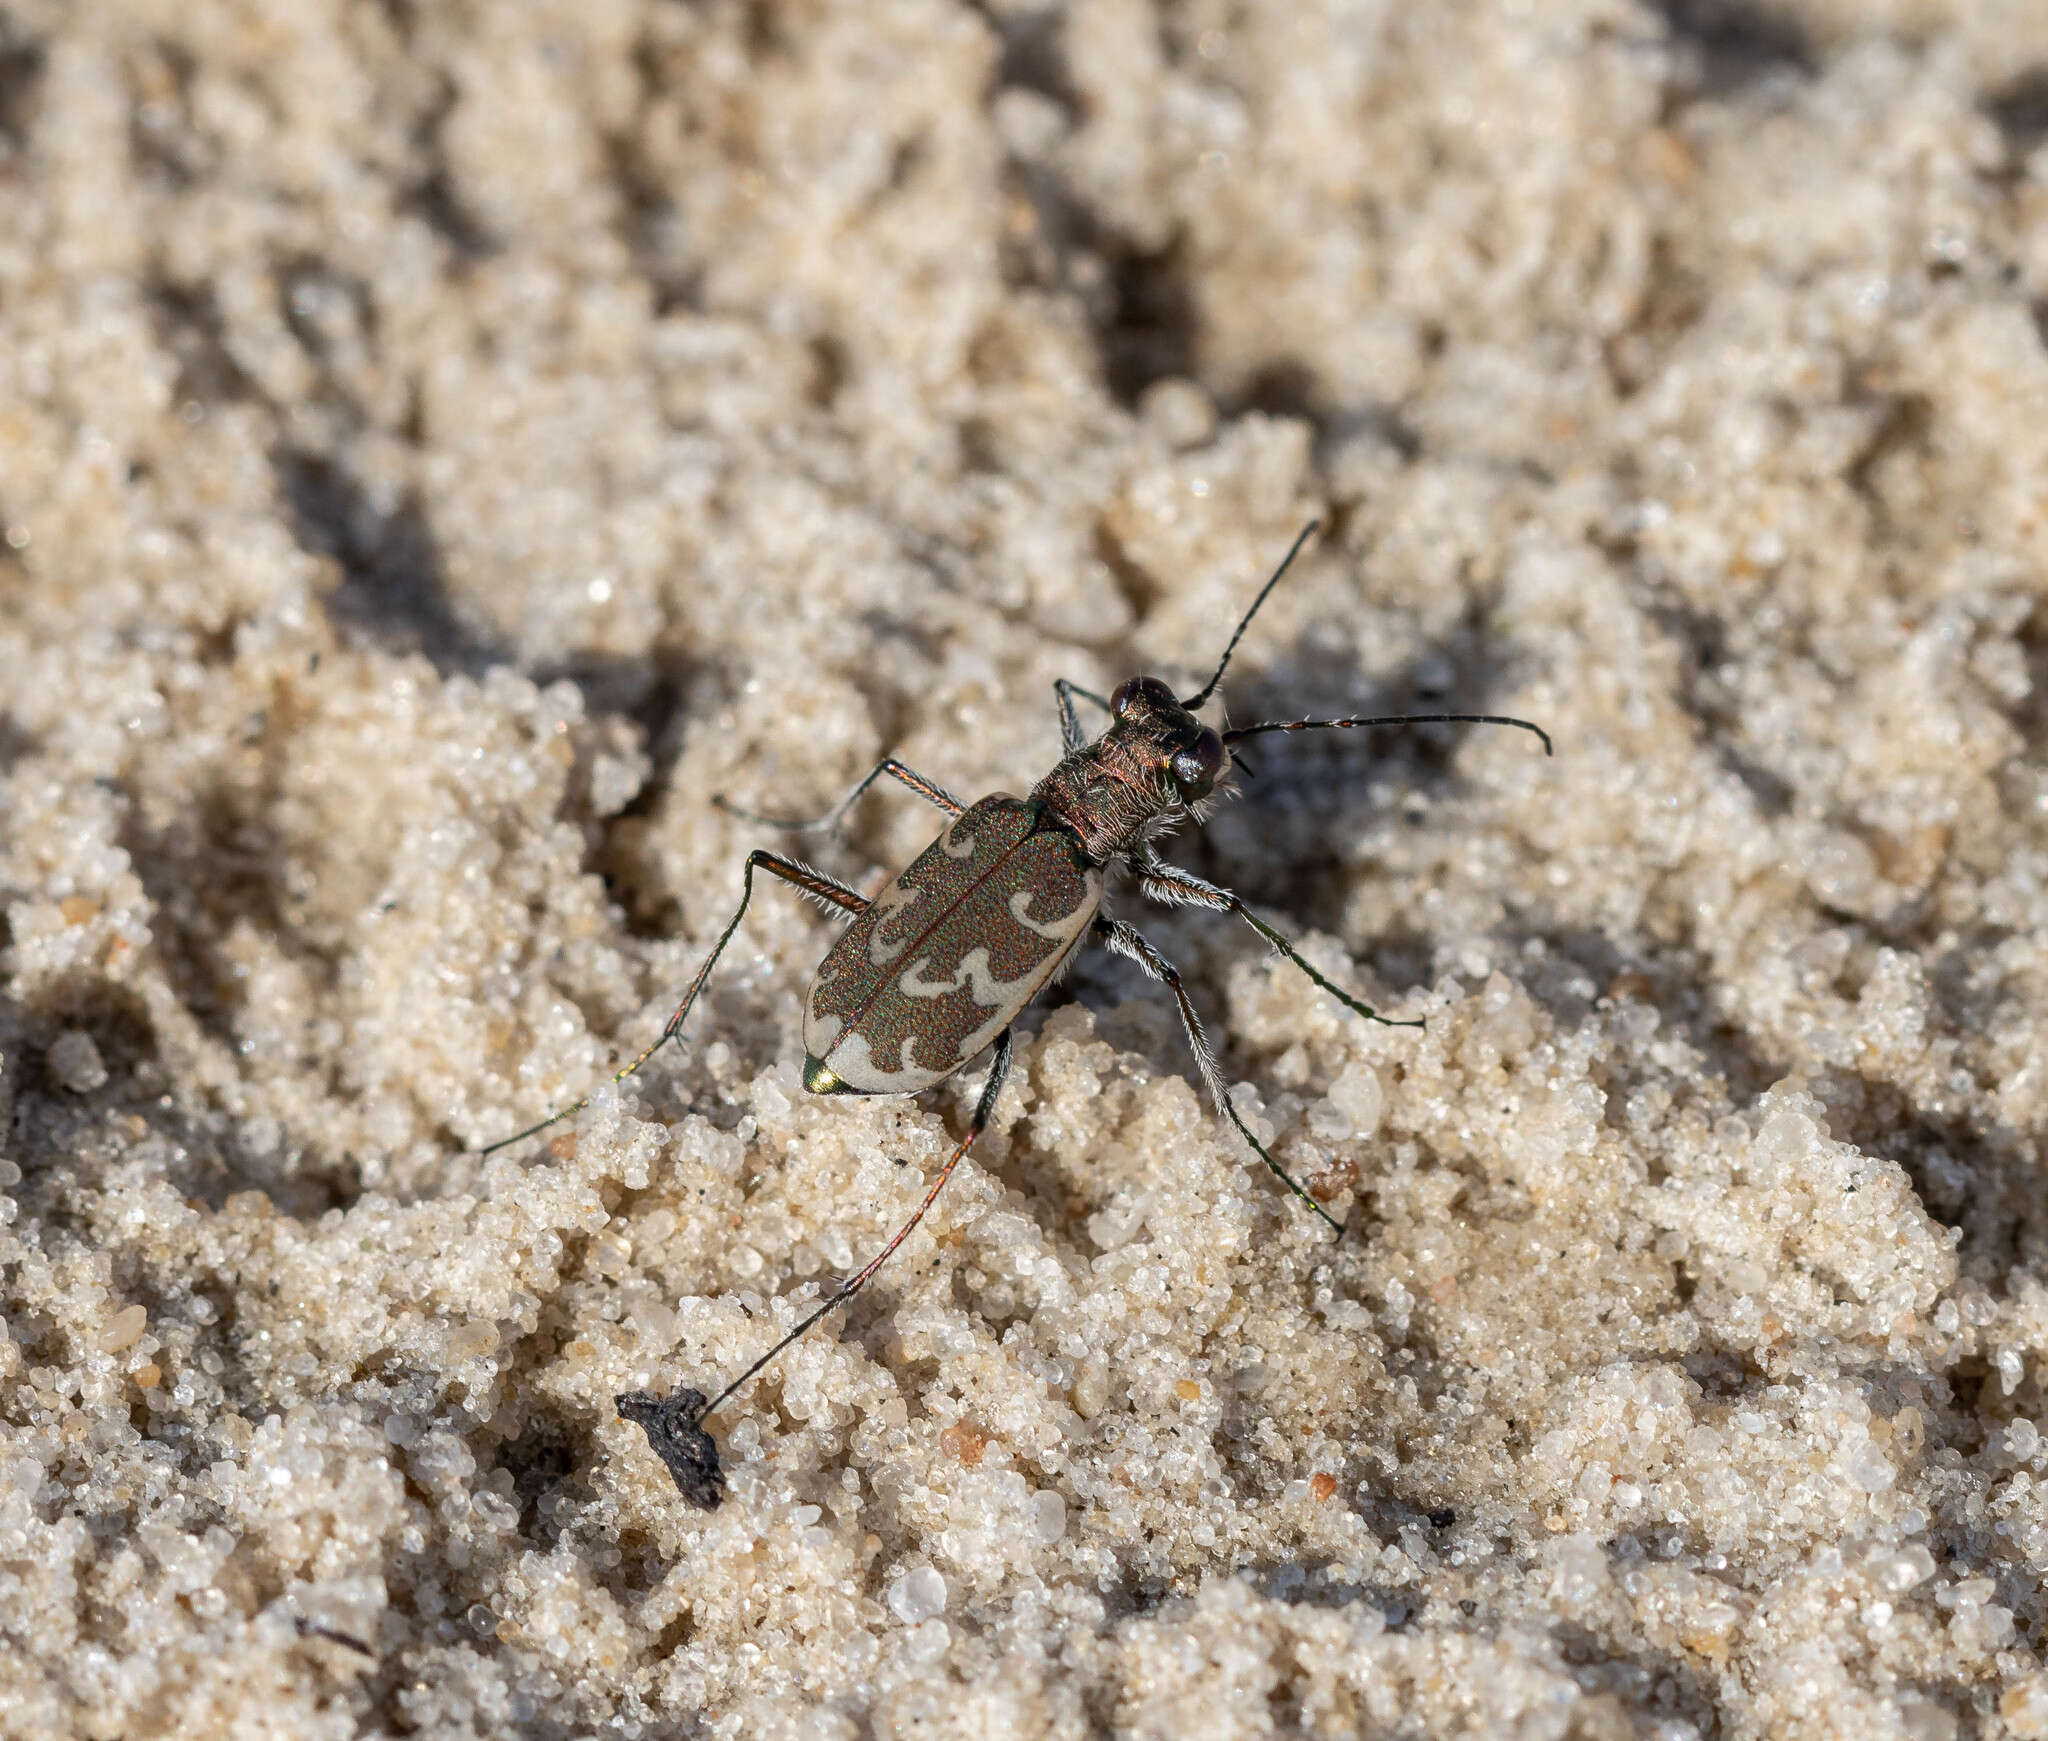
[
  {"x": 1443, "y": 1519},
  {"x": 670, "y": 1423}
]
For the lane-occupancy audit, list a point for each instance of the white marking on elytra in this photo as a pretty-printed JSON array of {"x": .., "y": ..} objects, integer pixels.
[
  {"x": 888, "y": 904},
  {"x": 853, "y": 1061},
  {"x": 1061, "y": 929},
  {"x": 973, "y": 972},
  {"x": 1045, "y": 972},
  {"x": 965, "y": 849}
]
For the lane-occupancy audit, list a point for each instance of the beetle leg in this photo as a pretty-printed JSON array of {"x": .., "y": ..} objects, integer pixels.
[
  {"x": 929, "y": 790},
  {"x": 1133, "y": 945},
  {"x": 811, "y": 882},
  {"x": 999, "y": 1068},
  {"x": 1071, "y": 735},
  {"x": 1169, "y": 883}
]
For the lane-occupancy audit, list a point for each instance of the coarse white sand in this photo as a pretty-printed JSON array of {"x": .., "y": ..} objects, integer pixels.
[{"x": 442, "y": 446}]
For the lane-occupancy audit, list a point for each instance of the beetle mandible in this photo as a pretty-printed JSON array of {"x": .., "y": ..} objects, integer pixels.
[{"x": 936, "y": 968}]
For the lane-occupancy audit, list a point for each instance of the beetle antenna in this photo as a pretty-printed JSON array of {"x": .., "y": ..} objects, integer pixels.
[
  {"x": 1208, "y": 689},
  {"x": 1244, "y": 731}
]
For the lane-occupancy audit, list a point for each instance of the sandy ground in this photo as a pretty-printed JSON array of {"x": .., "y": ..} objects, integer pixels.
[{"x": 444, "y": 446}]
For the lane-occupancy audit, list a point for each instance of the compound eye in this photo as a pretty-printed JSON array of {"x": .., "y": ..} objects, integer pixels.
[
  {"x": 1135, "y": 689},
  {"x": 1196, "y": 767}
]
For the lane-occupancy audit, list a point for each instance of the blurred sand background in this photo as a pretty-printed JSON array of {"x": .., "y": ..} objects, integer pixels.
[{"x": 442, "y": 446}]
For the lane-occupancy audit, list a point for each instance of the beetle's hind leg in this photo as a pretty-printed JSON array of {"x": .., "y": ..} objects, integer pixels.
[
  {"x": 999, "y": 1069},
  {"x": 929, "y": 790},
  {"x": 1133, "y": 945},
  {"x": 799, "y": 876}
]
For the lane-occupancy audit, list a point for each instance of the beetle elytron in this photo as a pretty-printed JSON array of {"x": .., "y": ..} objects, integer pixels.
[{"x": 937, "y": 967}]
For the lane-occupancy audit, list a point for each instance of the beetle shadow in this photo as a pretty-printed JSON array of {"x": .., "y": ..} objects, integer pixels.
[
  {"x": 196, "y": 1147},
  {"x": 221, "y": 864},
  {"x": 15, "y": 743},
  {"x": 1729, "y": 47},
  {"x": 1281, "y": 840},
  {"x": 657, "y": 693},
  {"x": 393, "y": 586}
]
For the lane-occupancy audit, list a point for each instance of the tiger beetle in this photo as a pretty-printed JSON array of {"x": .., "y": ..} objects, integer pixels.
[{"x": 937, "y": 968}]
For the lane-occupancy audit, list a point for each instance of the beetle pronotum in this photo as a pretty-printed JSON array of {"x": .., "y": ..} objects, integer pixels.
[{"x": 936, "y": 968}]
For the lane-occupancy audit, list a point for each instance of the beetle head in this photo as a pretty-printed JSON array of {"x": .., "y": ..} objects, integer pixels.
[{"x": 1186, "y": 753}]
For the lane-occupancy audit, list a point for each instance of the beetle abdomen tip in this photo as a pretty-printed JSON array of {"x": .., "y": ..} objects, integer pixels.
[{"x": 820, "y": 1079}]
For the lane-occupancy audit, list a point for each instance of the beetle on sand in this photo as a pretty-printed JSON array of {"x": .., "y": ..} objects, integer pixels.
[{"x": 936, "y": 968}]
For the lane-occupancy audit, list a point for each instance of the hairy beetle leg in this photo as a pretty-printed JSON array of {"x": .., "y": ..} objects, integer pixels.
[{"x": 929, "y": 790}]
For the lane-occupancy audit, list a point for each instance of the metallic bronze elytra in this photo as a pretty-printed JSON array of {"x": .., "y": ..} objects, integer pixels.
[
  {"x": 926, "y": 978},
  {"x": 938, "y": 966}
]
